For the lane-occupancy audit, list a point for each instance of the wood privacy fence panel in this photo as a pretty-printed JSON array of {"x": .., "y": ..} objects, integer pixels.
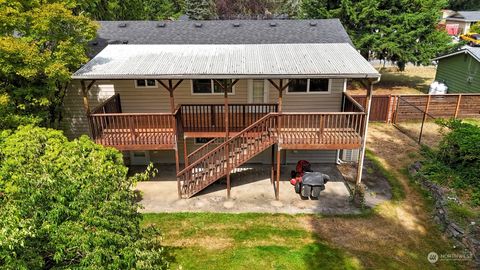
[
  {"x": 380, "y": 109},
  {"x": 393, "y": 108},
  {"x": 469, "y": 106}
]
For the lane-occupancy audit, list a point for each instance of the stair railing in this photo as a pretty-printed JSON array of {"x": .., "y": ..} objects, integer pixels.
[{"x": 243, "y": 146}]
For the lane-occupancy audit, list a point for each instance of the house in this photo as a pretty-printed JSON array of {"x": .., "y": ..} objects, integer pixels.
[
  {"x": 461, "y": 21},
  {"x": 209, "y": 96},
  {"x": 460, "y": 70}
]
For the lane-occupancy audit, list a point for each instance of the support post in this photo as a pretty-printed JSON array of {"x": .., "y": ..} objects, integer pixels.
[
  {"x": 86, "y": 105},
  {"x": 277, "y": 186},
  {"x": 427, "y": 106},
  {"x": 459, "y": 100},
  {"x": 185, "y": 152},
  {"x": 272, "y": 163},
  {"x": 280, "y": 87},
  {"x": 226, "y": 89},
  {"x": 171, "y": 88},
  {"x": 361, "y": 155}
]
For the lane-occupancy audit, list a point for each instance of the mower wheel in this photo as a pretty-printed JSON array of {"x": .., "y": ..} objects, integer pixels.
[
  {"x": 306, "y": 191},
  {"x": 298, "y": 187},
  {"x": 316, "y": 191}
]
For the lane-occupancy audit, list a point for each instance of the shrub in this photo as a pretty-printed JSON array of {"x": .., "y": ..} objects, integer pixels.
[
  {"x": 69, "y": 204},
  {"x": 456, "y": 163}
]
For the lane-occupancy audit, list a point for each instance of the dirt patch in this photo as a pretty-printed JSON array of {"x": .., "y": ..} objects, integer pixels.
[
  {"x": 207, "y": 242},
  {"x": 432, "y": 133},
  {"x": 377, "y": 188}
]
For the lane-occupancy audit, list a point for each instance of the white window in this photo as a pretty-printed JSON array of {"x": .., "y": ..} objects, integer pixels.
[
  {"x": 209, "y": 87},
  {"x": 149, "y": 83},
  {"x": 309, "y": 86}
]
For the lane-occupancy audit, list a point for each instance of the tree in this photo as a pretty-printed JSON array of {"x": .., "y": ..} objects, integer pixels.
[
  {"x": 69, "y": 204},
  {"x": 395, "y": 30},
  {"x": 41, "y": 44},
  {"x": 200, "y": 9},
  {"x": 475, "y": 28},
  {"x": 464, "y": 5},
  {"x": 130, "y": 9}
]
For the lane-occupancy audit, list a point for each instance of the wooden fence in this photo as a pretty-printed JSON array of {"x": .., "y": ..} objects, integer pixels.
[{"x": 398, "y": 108}]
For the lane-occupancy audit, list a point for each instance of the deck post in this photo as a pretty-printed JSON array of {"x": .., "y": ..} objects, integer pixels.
[
  {"x": 86, "y": 105},
  {"x": 226, "y": 89},
  {"x": 272, "y": 163},
  {"x": 280, "y": 87},
  {"x": 361, "y": 155},
  {"x": 170, "y": 88}
]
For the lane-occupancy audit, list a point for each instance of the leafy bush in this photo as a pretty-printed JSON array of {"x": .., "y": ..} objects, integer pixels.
[
  {"x": 456, "y": 163},
  {"x": 69, "y": 204}
]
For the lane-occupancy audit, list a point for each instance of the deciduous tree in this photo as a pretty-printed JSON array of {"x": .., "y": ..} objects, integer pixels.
[
  {"x": 41, "y": 44},
  {"x": 69, "y": 205}
]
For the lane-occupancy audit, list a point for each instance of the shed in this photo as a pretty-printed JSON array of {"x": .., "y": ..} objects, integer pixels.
[{"x": 460, "y": 70}]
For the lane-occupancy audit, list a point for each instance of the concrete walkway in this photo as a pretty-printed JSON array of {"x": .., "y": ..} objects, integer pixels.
[{"x": 251, "y": 192}]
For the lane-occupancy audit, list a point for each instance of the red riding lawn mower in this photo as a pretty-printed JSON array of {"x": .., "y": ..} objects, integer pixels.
[{"x": 308, "y": 183}]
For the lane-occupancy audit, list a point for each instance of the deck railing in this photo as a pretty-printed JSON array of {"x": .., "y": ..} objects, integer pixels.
[
  {"x": 211, "y": 117},
  {"x": 228, "y": 155},
  {"x": 334, "y": 130},
  {"x": 110, "y": 105},
  {"x": 150, "y": 131},
  {"x": 132, "y": 130},
  {"x": 351, "y": 105}
]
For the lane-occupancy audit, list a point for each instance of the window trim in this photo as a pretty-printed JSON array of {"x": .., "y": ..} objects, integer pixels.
[
  {"x": 329, "y": 90},
  {"x": 211, "y": 89},
  {"x": 146, "y": 86}
]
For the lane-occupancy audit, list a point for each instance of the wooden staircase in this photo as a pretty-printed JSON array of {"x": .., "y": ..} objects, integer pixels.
[{"x": 207, "y": 165}]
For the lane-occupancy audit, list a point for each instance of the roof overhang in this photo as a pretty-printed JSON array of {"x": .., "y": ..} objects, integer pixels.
[
  {"x": 245, "y": 61},
  {"x": 462, "y": 51}
]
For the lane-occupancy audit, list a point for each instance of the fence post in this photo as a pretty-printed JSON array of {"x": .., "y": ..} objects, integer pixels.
[
  {"x": 424, "y": 118},
  {"x": 396, "y": 110},
  {"x": 458, "y": 105}
]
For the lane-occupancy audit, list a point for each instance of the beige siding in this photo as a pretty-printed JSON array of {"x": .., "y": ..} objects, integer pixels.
[{"x": 313, "y": 156}]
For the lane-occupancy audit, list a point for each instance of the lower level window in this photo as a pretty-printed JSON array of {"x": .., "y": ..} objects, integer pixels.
[{"x": 202, "y": 140}]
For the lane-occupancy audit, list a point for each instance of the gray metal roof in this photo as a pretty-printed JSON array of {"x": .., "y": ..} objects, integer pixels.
[
  {"x": 473, "y": 51},
  {"x": 227, "y": 61},
  {"x": 219, "y": 32},
  {"x": 467, "y": 16}
]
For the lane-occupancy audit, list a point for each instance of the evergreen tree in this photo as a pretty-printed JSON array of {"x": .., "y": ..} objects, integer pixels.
[
  {"x": 395, "y": 30},
  {"x": 464, "y": 5},
  {"x": 200, "y": 9}
]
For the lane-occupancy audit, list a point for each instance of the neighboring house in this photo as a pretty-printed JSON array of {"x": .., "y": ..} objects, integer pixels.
[
  {"x": 461, "y": 21},
  {"x": 460, "y": 71},
  {"x": 162, "y": 93}
]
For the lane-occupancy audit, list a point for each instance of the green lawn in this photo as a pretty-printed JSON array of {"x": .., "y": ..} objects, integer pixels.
[
  {"x": 267, "y": 241},
  {"x": 246, "y": 241}
]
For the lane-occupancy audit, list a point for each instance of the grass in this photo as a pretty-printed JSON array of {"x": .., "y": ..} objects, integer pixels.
[
  {"x": 414, "y": 80},
  {"x": 395, "y": 235},
  {"x": 243, "y": 241},
  {"x": 462, "y": 214}
]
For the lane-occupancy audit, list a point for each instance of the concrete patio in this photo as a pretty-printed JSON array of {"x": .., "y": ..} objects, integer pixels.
[{"x": 251, "y": 192}]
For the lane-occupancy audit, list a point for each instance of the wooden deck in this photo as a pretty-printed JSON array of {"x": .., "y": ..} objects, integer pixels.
[{"x": 157, "y": 131}]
